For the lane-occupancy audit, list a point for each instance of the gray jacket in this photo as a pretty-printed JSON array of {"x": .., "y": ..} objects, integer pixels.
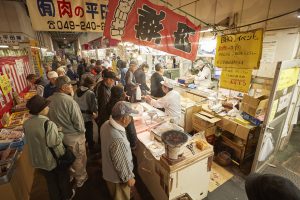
[
  {"x": 87, "y": 102},
  {"x": 36, "y": 138},
  {"x": 65, "y": 113}
]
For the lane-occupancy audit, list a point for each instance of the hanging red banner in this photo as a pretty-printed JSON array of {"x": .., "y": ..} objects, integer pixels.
[{"x": 144, "y": 23}]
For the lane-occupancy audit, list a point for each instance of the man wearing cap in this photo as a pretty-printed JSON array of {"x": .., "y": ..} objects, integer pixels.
[
  {"x": 117, "y": 165},
  {"x": 103, "y": 94},
  {"x": 50, "y": 88},
  {"x": 65, "y": 113},
  {"x": 42, "y": 134},
  {"x": 170, "y": 102},
  {"x": 130, "y": 82}
]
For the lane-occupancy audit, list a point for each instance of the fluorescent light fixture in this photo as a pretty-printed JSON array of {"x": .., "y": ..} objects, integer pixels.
[
  {"x": 4, "y": 46},
  {"x": 206, "y": 30}
]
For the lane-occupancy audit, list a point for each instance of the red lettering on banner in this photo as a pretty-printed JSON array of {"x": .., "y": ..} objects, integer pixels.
[
  {"x": 64, "y": 8},
  {"x": 79, "y": 11}
]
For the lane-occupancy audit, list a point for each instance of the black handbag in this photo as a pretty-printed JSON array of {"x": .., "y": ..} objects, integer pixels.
[{"x": 65, "y": 161}]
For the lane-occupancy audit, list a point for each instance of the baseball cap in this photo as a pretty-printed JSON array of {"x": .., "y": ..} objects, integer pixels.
[
  {"x": 109, "y": 74},
  {"x": 52, "y": 74},
  {"x": 62, "y": 80},
  {"x": 167, "y": 83},
  {"x": 121, "y": 109}
]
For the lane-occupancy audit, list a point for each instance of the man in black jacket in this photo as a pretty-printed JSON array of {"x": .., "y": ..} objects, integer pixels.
[
  {"x": 156, "y": 78},
  {"x": 103, "y": 93}
]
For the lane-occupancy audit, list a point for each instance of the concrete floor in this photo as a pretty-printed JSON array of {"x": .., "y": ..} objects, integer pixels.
[{"x": 95, "y": 188}]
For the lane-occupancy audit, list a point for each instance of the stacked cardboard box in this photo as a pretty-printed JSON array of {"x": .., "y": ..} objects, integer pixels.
[
  {"x": 254, "y": 106},
  {"x": 206, "y": 122}
]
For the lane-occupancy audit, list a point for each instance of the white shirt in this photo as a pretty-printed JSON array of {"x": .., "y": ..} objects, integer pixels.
[
  {"x": 171, "y": 104},
  {"x": 204, "y": 77}
]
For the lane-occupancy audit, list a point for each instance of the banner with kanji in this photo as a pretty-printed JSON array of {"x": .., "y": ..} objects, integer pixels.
[
  {"x": 68, "y": 15},
  {"x": 144, "y": 23},
  {"x": 240, "y": 50}
]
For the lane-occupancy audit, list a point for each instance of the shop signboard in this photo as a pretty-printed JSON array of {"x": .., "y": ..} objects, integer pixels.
[
  {"x": 241, "y": 50},
  {"x": 11, "y": 39},
  {"x": 5, "y": 84},
  {"x": 68, "y": 15},
  {"x": 236, "y": 79},
  {"x": 144, "y": 23}
]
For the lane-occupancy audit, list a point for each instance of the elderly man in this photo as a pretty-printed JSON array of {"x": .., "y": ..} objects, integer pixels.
[
  {"x": 66, "y": 114},
  {"x": 130, "y": 82},
  {"x": 50, "y": 88},
  {"x": 117, "y": 165},
  {"x": 103, "y": 94},
  {"x": 36, "y": 83},
  {"x": 170, "y": 102}
]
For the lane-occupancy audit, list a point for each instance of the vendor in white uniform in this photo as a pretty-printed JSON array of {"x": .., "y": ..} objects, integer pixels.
[
  {"x": 204, "y": 76},
  {"x": 170, "y": 102}
]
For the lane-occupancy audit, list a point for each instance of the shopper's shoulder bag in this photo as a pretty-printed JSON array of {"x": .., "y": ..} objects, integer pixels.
[{"x": 64, "y": 161}]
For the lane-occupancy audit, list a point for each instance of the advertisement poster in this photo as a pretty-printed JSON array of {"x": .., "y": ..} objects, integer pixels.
[
  {"x": 20, "y": 67},
  {"x": 5, "y": 84},
  {"x": 68, "y": 15},
  {"x": 287, "y": 78},
  {"x": 236, "y": 79},
  {"x": 241, "y": 50},
  {"x": 144, "y": 23}
]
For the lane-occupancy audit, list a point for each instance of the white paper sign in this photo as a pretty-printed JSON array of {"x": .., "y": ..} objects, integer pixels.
[{"x": 20, "y": 67}]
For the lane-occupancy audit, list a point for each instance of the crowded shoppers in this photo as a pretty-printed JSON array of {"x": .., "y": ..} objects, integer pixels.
[
  {"x": 42, "y": 134},
  {"x": 130, "y": 82},
  {"x": 65, "y": 112},
  {"x": 103, "y": 93},
  {"x": 117, "y": 164},
  {"x": 88, "y": 73},
  {"x": 170, "y": 102},
  {"x": 81, "y": 68},
  {"x": 140, "y": 77},
  {"x": 36, "y": 83},
  {"x": 156, "y": 79},
  {"x": 50, "y": 87},
  {"x": 118, "y": 94},
  {"x": 86, "y": 100}
]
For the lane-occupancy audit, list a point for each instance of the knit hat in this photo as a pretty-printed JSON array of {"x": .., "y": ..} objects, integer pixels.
[
  {"x": 36, "y": 104},
  {"x": 270, "y": 187},
  {"x": 121, "y": 109}
]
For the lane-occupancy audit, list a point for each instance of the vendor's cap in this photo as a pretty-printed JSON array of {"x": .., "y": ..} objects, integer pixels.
[
  {"x": 167, "y": 83},
  {"x": 109, "y": 74},
  {"x": 62, "y": 80},
  {"x": 121, "y": 109},
  {"x": 36, "y": 104},
  {"x": 52, "y": 74}
]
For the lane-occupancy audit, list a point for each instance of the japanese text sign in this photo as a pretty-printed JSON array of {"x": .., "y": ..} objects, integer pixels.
[
  {"x": 11, "y": 39},
  {"x": 236, "y": 79},
  {"x": 5, "y": 84},
  {"x": 287, "y": 78},
  {"x": 68, "y": 15},
  {"x": 144, "y": 23},
  {"x": 241, "y": 50}
]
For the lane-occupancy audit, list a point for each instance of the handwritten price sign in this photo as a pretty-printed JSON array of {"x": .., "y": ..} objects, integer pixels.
[
  {"x": 5, "y": 84},
  {"x": 236, "y": 79}
]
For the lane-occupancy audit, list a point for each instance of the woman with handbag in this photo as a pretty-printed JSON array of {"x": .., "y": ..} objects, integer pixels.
[{"x": 46, "y": 150}]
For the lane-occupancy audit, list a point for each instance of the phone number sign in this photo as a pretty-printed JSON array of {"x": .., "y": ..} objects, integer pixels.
[{"x": 68, "y": 15}]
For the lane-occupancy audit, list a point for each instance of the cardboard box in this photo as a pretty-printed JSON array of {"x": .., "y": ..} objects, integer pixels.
[
  {"x": 254, "y": 106},
  {"x": 227, "y": 125},
  {"x": 204, "y": 120},
  {"x": 242, "y": 132}
]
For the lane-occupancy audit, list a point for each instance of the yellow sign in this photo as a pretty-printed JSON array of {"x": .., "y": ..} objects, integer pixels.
[
  {"x": 241, "y": 50},
  {"x": 273, "y": 110},
  {"x": 287, "y": 78},
  {"x": 236, "y": 79},
  {"x": 5, "y": 84},
  {"x": 68, "y": 15}
]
